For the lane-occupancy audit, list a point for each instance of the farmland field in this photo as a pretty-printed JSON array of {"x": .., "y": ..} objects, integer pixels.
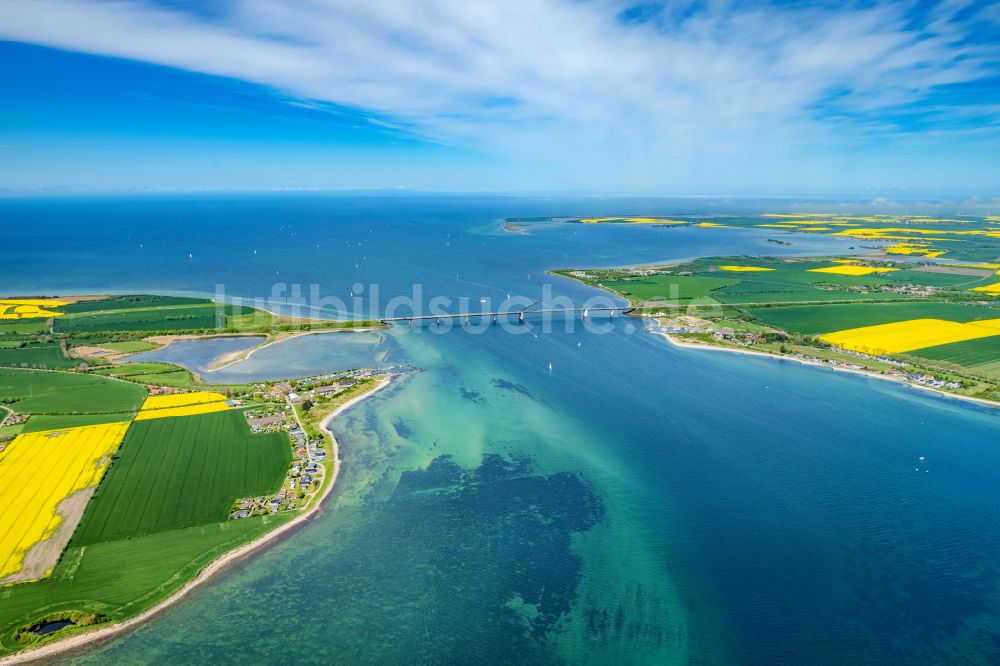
[
  {"x": 181, "y": 404},
  {"x": 179, "y": 378},
  {"x": 168, "y": 400},
  {"x": 45, "y": 355},
  {"x": 130, "y": 346},
  {"x": 183, "y": 471},
  {"x": 161, "y": 374},
  {"x": 160, "y": 318},
  {"x": 130, "y": 301},
  {"x": 56, "y": 421},
  {"x": 943, "y": 280},
  {"x": 981, "y": 354},
  {"x": 768, "y": 292},
  {"x": 160, "y": 314},
  {"x": 37, "y": 472},
  {"x": 23, "y": 327},
  {"x": 41, "y": 392},
  {"x": 680, "y": 287},
  {"x": 798, "y": 273},
  {"x": 130, "y": 369},
  {"x": 816, "y": 319},
  {"x": 905, "y": 336}
]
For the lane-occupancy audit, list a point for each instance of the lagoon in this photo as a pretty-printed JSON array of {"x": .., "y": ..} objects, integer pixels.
[{"x": 287, "y": 358}]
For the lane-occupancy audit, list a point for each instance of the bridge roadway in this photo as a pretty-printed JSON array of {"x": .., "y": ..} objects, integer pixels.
[{"x": 520, "y": 313}]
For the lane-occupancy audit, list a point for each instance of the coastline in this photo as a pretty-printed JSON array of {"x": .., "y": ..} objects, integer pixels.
[
  {"x": 82, "y": 640},
  {"x": 804, "y": 361},
  {"x": 677, "y": 342}
]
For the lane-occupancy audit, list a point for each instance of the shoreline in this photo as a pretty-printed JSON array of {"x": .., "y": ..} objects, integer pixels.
[
  {"x": 804, "y": 361},
  {"x": 219, "y": 564}
]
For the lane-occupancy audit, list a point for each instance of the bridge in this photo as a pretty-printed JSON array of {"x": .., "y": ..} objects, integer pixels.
[{"x": 627, "y": 309}]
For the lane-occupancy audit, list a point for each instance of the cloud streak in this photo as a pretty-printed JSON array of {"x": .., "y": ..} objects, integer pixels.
[{"x": 671, "y": 94}]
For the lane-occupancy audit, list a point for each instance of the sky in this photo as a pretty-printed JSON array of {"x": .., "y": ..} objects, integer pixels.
[{"x": 587, "y": 96}]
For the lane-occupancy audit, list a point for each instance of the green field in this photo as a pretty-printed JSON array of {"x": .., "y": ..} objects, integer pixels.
[
  {"x": 132, "y": 369},
  {"x": 129, "y": 302},
  {"x": 180, "y": 472},
  {"x": 982, "y": 354},
  {"x": 818, "y": 319},
  {"x": 23, "y": 327},
  {"x": 36, "y": 355},
  {"x": 162, "y": 374},
  {"x": 762, "y": 292},
  {"x": 146, "y": 313},
  {"x": 130, "y": 346},
  {"x": 668, "y": 287},
  {"x": 42, "y": 422},
  {"x": 943, "y": 280},
  {"x": 41, "y": 392},
  {"x": 159, "y": 318},
  {"x": 122, "y": 578},
  {"x": 793, "y": 273}
]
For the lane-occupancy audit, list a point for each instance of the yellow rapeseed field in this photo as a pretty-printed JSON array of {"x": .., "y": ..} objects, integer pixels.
[
  {"x": 181, "y": 404},
  {"x": 652, "y": 220},
  {"x": 181, "y": 399},
  {"x": 40, "y": 302},
  {"x": 887, "y": 232},
  {"x": 184, "y": 410},
  {"x": 744, "y": 269},
  {"x": 908, "y": 248},
  {"x": 29, "y": 308},
  {"x": 904, "y": 336},
  {"x": 991, "y": 289},
  {"x": 37, "y": 472},
  {"x": 850, "y": 270}
]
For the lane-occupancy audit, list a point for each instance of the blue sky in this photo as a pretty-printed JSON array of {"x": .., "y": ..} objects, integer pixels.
[{"x": 707, "y": 97}]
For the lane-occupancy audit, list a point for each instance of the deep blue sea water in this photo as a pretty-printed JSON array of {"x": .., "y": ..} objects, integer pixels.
[{"x": 632, "y": 503}]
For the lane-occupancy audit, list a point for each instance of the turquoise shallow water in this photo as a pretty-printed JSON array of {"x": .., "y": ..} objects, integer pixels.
[{"x": 635, "y": 503}]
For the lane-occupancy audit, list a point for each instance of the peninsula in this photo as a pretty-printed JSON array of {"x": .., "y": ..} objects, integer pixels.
[
  {"x": 128, "y": 483},
  {"x": 920, "y": 306}
]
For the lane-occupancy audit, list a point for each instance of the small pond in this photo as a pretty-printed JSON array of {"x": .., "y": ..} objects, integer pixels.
[{"x": 50, "y": 627}]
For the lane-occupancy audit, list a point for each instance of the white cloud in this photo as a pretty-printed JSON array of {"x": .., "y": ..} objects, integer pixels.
[{"x": 692, "y": 92}]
